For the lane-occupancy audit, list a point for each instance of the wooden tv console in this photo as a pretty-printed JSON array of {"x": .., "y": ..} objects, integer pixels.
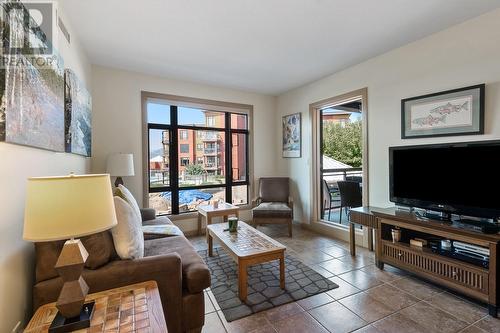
[{"x": 471, "y": 280}]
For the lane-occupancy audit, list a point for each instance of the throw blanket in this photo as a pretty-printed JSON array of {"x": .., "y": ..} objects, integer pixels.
[{"x": 162, "y": 229}]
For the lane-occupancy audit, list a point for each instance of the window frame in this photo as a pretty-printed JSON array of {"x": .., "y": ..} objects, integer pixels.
[
  {"x": 185, "y": 134},
  {"x": 174, "y": 156},
  {"x": 182, "y": 147}
]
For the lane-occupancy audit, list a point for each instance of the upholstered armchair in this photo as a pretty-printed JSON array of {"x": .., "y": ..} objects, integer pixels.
[{"x": 274, "y": 204}]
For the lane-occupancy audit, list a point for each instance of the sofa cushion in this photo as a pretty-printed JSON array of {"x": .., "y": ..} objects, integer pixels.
[
  {"x": 148, "y": 214},
  {"x": 158, "y": 220},
  {"x": 123, "y": 192},
  {"x": 272, "y": 209},
  {"x": 127, "y": 234},
  {"x": 99, "y": 246},
  {"x": 195, "y": 273}
]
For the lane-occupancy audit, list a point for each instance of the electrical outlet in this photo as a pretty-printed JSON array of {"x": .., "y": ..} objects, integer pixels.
[{"x": 17, "y": 328}]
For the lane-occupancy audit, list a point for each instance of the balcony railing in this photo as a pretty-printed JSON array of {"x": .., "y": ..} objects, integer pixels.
[
  {"x": 210, "y": 151},
  {"x": 332, "y": 176},
  {"x": 211, "y": 166},
  {"x": 210, "y": 136}
]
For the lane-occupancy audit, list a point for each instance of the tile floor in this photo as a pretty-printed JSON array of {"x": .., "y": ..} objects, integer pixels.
[{"x": 368, "y": 300}]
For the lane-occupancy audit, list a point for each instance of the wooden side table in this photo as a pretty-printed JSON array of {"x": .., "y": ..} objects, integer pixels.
[
  {"x": 363, "y": 216},
  {"x": 208, "y": 211},
  {"x": 134, "y": 308}
]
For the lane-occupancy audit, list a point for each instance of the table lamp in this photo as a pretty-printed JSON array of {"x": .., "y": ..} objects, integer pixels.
[
  {"x": 120, "y": 165},
  {"x": 63, "y": 208}
]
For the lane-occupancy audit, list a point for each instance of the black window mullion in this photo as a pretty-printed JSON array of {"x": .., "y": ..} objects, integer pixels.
[
  {"x": 229, "y": 158},
  {"x": 174, "y": 161},
  {"x": 247, "y": 161},
  {"x": 159, "y": 189},
  {"x": 201, "y": 128},
  {"x": 240, "y": 131},
  {"x": 174, "y": 186},
  {"x": 158, "y": 126}
]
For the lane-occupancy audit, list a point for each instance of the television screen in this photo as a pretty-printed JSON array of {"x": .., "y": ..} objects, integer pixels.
[{"x": 460, "y": 178}]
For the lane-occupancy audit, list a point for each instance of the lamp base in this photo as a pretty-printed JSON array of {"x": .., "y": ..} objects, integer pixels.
[
  {"x": 118, "y": 181},
  {"x": 60, "y": 324}
]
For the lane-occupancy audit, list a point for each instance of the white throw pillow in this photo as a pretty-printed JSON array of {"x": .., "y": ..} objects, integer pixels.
[
  {"x": 127, "y": 234},
  {"x": 128, "y": 197}
]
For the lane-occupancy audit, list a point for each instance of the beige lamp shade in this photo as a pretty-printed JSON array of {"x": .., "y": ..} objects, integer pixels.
[
  {"x": 60, "y": 208},
  {"x": 120, "y": 165}
]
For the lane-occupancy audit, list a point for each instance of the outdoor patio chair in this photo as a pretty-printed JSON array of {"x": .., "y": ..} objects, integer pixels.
[
  {"x": 330, "y": 196},
  {"x": 350, "y": 196}
]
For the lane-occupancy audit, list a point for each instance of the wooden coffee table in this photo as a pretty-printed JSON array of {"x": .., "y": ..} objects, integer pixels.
[
  {"x": 247, "y": 247},
  {"x": 208, "y": 211}
]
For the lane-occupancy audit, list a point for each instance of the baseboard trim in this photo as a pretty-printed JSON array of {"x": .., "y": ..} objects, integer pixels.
[{"x": 333, "y": 232}]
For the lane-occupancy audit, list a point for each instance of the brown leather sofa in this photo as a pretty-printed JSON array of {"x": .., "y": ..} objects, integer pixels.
[
  {"x": 274, "y": 204},
  {"x": 172, "y": 262}
]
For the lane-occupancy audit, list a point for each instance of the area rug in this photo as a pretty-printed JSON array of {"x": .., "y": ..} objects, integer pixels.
[{"x": 264, "y": 290}]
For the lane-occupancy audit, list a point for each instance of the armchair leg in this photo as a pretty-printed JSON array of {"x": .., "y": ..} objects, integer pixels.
[{"x": 290, "y": 228}]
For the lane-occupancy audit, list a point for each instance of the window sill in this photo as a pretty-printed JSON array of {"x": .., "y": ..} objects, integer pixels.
[{"x": 194, "y": 215}]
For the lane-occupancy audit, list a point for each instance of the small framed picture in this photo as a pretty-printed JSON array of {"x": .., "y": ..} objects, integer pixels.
[
  {"x": 291, "y": 138},
  {"x": 453, "y": 112}
]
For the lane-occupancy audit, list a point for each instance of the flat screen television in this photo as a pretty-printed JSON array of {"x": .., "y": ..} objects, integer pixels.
[{"x": 455, "y": 178}]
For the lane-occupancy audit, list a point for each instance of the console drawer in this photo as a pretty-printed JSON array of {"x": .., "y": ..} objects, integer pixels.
[{"x": 453, "y": 273}]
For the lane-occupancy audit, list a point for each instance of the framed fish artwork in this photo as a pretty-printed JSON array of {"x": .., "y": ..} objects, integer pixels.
[{"x": 452, "y": 112}]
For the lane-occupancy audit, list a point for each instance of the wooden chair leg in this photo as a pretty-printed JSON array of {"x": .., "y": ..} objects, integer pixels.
[{"x": 290, "y": 228}]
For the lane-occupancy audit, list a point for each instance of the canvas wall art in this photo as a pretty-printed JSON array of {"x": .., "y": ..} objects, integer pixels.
[
  {"x": 78, "y": 112},
  {"x": 291, "y": 136},
  {"x": 31, "y": 93},
  {"x": 453, "y": 112}
]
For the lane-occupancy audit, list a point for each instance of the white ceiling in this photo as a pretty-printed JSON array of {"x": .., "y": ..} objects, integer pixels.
[{"x": 265, "y": 46}]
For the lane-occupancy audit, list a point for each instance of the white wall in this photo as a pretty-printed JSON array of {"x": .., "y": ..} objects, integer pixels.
[
  {"x": 118, "y": 123},
  {"x": 17, "y": 163},
  {"x": 463, "y": 55}
]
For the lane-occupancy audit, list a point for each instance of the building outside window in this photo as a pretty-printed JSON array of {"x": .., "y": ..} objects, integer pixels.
[
  {"x": 210, "y": 121},
  {"x": 195, "y": 155}
]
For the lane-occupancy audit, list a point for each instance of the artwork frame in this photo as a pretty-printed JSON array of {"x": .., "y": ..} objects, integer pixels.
[
  {"x": 447, "y": 113},
  {"x": 77, "y": 116},
  {"x": 31, "y": 87},
  {"x": 291, "y": 136}
]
